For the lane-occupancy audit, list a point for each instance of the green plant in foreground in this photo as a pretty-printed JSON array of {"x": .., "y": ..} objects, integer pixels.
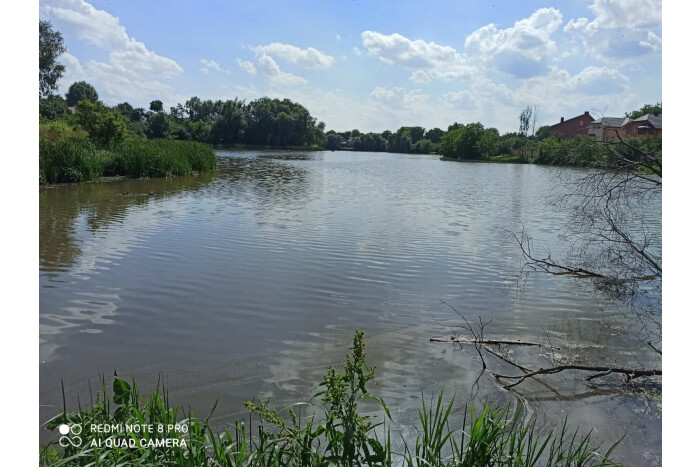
[{"x": 341, "y": 435}]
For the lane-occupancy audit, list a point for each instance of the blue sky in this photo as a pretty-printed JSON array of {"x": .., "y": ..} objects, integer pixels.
[{"x": 372, "y": 65}]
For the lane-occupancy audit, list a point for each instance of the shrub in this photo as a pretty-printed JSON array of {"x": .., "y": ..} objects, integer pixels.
[{"x": 104, "y": 125}]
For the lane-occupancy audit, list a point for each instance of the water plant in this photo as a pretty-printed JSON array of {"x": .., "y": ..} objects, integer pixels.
[
  {"x": 68, "y": 154},
  {"x": 333, "y": 432}
]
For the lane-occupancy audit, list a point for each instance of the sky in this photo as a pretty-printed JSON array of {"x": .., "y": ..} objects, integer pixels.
[{"x": 371, "y": 65}]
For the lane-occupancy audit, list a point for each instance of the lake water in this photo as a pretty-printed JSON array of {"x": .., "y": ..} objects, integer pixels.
[{"x": 249, "y": 281}]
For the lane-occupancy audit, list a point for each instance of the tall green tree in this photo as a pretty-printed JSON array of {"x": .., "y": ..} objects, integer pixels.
[
  {"x": 156, "y": 106},
  {"x": 50, "y": 48},
  {"x": 159, "y": 126},
  {"x": 81, "y": 90},
  {"x": 434, "y": 135}
]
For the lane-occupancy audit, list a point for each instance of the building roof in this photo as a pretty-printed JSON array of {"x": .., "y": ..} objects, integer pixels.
[
  {"x": 609, "y": 122},
  {"x": 562, "y": 122},
  {"x": 653, "y": 120}
]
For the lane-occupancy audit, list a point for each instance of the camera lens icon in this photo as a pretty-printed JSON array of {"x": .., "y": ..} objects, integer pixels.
[{"x": 70, "y": 435}]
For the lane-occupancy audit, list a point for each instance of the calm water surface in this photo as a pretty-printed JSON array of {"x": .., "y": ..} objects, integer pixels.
[{"x": 250, "y": 281}]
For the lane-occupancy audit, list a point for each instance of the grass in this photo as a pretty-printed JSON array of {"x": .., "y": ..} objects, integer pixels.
[
  {"x": 337, "y": 434},
  {"x": 67, "y": 155}
]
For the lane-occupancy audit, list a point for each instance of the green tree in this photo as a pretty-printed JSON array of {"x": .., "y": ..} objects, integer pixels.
[
  {"x": 543, "y": 132},
  {"x": 434, "y": 135},
  {"x": 229, "y": 127},
  {"x": 417, "y": 133},
  {"x": 138, "y": 114},
  {"x": 646, "y": 109},
  {"x": 466, "y": 142},
  {"x": 81, "y": 90},
  {"x": 104, "y": 125},
  {"x": 333, "y": 140},
  {"x": 156, "y": 106},
  {"x": 125, "y": 109},
  {"x": 50, "y": 48},
  {"x": 158, "y": 126},
  {"x": 52, "y": 107}
]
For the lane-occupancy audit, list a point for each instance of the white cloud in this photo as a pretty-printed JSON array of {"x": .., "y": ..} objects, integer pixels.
[
  {"x": 521, "y": 50},
  {"x": 132, "y": 72},
  {"x": 307, "y": 58},
  {"x": 266, "y": 67},
  {"x": 398, "y": 98},
  {"x": 211, "y": 65},
  {"x": 428, "y": 59},
  {"x": 357, "y": 51},
  {"x": 248, "y": 67},
  {"x": 622, "y": 30}
]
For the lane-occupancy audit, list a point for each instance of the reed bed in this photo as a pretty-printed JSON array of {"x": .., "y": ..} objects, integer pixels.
[{"x": 67, "y": 155}]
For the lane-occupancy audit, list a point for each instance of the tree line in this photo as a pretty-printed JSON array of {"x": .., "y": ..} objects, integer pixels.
[{"x": 280, "y": 122}]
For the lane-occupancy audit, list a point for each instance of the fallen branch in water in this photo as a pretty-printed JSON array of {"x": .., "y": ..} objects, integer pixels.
[
  {"x": 630, "y": 373},
  {"x": 655, "y": 349},
  {"x": 466, "y": 340}
]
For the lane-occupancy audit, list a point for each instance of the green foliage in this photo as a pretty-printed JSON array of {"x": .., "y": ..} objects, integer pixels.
[
  {"x": 104, "y": 125},
  {"x": 425, "y": 146},
  {"x": 646, "y": 109},
  {"x": 275, "y": 122},
  {"x": 543, "y": 132},
  {"x": 369, "y": 142},
  {"x": 435, "y": 135},
  {"x": 156, "y": 106},
  {"x": 333, "y": 140},
  {"x": 125, "y": 109},
  {"x": 137, "y": 158},
  {"x": 159, "y": 126},
  {"x": 50, "y": 48},
  {"x": 343, "y": 436},
  {"x": 470, "y": 141},
  {"x": 578, "y": 152},
  {"x": 81, "y": 90},
  {"x": 52, "y": 107},
  {"x": 67, "y": 156},
  {"x": 229, "y": 125}
]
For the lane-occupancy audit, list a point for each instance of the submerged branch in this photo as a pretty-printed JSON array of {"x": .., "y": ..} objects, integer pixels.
[{"x": 630, "y": 373}]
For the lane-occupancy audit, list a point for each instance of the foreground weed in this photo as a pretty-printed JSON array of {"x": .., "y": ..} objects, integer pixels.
[{"x": 336, "y": 433}]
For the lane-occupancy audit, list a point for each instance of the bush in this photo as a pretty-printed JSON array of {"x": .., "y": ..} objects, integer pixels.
[
  {"x": 579, "y": 152},
  {"x": 52, "y": 107},
  {"x": 105, "y": 126}
]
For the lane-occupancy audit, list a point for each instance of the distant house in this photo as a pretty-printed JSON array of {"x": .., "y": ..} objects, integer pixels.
[
  {"x": 71, "y": 109},
  {"x": 572, "y": 127},
  {"x": 646, "y": 125},
  {"x": 607, "y": 128}
]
